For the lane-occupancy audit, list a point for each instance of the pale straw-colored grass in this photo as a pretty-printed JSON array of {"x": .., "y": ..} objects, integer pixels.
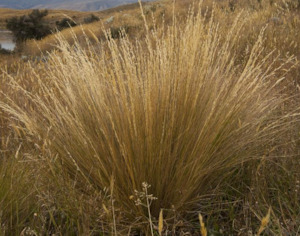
[{"x": 176, "y": 110}]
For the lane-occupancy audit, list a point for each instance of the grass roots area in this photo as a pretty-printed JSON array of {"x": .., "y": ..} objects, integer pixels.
[{"x": 170, "y": 134}]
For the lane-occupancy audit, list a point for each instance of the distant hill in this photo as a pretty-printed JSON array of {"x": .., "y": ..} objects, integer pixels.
[{"x": 79, "y": 5}]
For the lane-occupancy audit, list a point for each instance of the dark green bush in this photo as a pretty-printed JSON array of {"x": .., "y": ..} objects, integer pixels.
[
  {"x": 92, "y": 18},
  {"x": 29, "y": 26},
  {"x": 65, "y": 23}
]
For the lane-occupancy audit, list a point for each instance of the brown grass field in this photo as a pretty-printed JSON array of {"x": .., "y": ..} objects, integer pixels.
[{"x": 175, "y": 118}]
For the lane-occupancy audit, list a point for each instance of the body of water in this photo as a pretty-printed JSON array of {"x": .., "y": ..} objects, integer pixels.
[{"x": 7, "y": 40}]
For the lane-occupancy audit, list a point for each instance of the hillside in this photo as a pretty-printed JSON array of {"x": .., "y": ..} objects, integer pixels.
[
  {"x": 52, "y": 17},
  {"x": 79, "y": 5}
]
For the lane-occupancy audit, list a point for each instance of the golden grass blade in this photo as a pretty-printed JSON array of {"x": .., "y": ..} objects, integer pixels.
[
  {"x": 203, "y": 229},
  {"x": 160, "y": 222},
  {"x": 264, "y": 222}
]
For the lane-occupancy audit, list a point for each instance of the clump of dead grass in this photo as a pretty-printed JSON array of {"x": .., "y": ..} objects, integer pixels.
[{"x": 176, "y": 110}]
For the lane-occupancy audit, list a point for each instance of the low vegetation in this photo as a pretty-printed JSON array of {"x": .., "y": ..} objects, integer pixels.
[
  {"x": 92, "y": 18},
  {"x": 34, "y": 26},
  {"x": 65, "y": 23},
  {"x": 29, "y": 26},
  {"x": 184, "y": 121}
]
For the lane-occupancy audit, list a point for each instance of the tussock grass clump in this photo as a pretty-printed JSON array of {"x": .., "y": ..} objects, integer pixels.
[
  {"x": 175, "y": 110},
  {"x": 18, "y": 196}
]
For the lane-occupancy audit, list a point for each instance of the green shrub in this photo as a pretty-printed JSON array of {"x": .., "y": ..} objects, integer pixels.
[
  {"x": 29, "y": 26},
  {"x": 92, "y": 18},
  {"x": 65, "y": 23}
]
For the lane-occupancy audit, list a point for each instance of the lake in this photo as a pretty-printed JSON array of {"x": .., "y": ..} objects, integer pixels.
[{"x": 7, "y": 40}]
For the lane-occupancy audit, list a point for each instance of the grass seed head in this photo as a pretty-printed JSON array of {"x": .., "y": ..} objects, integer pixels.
[
  {"x": 203, "y": 229},
  {"x": 264, "y": 222},
  {"x": 160, "y": 222}
]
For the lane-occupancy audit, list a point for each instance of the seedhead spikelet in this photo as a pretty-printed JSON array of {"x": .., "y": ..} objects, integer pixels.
[
  {"x": 264, "y": 222},
  {"x": 160, "y": 222},
  {"x": 203, "y": 229}
]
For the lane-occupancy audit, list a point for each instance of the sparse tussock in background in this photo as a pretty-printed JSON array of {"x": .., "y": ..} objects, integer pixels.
[{"x": 178, "y": 110}]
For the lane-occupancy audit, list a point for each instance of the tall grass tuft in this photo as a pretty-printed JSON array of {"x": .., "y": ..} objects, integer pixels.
[
  {"x": 176, "y": 110},
  {"x": 18, "y": 196}
]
